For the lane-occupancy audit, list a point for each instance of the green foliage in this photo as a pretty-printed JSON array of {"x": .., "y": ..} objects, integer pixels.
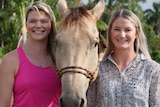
[
  {"x": 156, "y": 55},
  {"x": 152, "y": 17},
  {"x": 153, "y": 42},
  {"x": 0, "y": 53},
  {"x": 12, "y": 16},
  {"x": 152, "y": 31},
  {"x": 154, "y": 47},
  {"x": 102, "y": 26},
  {"x": 10, "y": 31}
]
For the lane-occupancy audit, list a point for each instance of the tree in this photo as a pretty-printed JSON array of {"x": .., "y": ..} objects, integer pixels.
[
  {"x": 11, "y": 23},
  {"x": 12, "y": 16},
  {"x": 153, "y": 17}
]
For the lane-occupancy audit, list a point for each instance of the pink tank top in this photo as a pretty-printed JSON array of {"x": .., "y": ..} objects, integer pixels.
[{"x": 35, "y": 86}]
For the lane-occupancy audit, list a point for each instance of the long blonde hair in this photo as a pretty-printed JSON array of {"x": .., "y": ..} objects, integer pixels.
[
  {"x": 140, "y": 44},
  {"x": 46, "y": 8}
]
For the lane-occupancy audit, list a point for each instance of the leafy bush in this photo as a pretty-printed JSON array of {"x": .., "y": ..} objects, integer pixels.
[{"x": 153, "y": 42}]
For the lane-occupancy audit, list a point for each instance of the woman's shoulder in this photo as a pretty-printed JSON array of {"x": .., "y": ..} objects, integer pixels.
[
  {"x": 10, "y": 61},
  {"x": 151, "y": 65},
  {"x": 151, "y": 62},
  {"x": 10, "y": 56}
]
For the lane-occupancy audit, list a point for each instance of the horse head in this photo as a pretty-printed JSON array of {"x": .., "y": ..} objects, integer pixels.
[{"x": 76, "y": 51}]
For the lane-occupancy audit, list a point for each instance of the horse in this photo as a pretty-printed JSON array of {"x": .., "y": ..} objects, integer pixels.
[{"x": 76, "y": 51}]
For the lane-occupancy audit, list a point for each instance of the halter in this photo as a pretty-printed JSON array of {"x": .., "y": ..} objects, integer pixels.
[{"x": 80, "y": 70}]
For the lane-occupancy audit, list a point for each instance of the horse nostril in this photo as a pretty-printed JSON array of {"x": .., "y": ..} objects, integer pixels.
[
  {"x": 61, "y": 103},
  {"x": 72, "y": 102},
  {"x": 82, "y": 102}
]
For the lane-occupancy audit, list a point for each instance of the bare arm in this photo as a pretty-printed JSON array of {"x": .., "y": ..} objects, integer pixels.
[{"x": 8, "y": 68}]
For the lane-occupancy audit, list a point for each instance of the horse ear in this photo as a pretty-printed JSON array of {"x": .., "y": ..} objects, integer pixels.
[
  {"x": 98, "y": 9},
  {"x": 62, "y": 8}
]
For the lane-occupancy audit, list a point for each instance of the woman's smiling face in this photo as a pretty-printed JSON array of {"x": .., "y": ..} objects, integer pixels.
[
  {"x": 123, "y": 34},
  {"x": 38, "y": 24}
]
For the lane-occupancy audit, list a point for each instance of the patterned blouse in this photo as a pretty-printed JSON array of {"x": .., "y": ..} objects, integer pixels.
[{"x": 138, "y": 85}]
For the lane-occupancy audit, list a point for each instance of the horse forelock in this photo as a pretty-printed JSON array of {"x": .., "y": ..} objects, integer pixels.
[{"x": 75, "y": 16}]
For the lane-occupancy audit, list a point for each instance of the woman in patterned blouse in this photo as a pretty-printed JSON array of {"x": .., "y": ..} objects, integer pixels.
[{"x": 128, "y": 77}]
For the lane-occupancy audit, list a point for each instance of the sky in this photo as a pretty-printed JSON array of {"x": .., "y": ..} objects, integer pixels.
[{"x": 147, "y": 5}]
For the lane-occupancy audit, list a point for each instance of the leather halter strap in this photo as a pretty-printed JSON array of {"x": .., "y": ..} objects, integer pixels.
[
  {"x": 74, "y": 69},
  {"x": 80, "y": 70}
]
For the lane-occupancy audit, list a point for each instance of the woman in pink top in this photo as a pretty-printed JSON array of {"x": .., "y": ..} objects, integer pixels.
[{"x": 27, "y": 72}]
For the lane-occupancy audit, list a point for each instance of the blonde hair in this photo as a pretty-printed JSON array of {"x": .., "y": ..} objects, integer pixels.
[
  {"x": 140, "y": 44},
  {"x": 40, "y": 6}
]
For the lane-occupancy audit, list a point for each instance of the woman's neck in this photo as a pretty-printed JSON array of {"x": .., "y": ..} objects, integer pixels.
[
  {"x": 37, "y": 55},
  {"x": 123, "y": 59},
  {"x": 36, "y": 47}
]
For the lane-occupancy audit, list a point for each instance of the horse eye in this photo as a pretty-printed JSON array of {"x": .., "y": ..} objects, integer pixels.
[
  {"x": 55, "y": 42},
  {"x": 96, "y": 44}
]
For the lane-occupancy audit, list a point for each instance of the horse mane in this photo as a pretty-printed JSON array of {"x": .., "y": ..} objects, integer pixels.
[{"x": 75, "y": 16}]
